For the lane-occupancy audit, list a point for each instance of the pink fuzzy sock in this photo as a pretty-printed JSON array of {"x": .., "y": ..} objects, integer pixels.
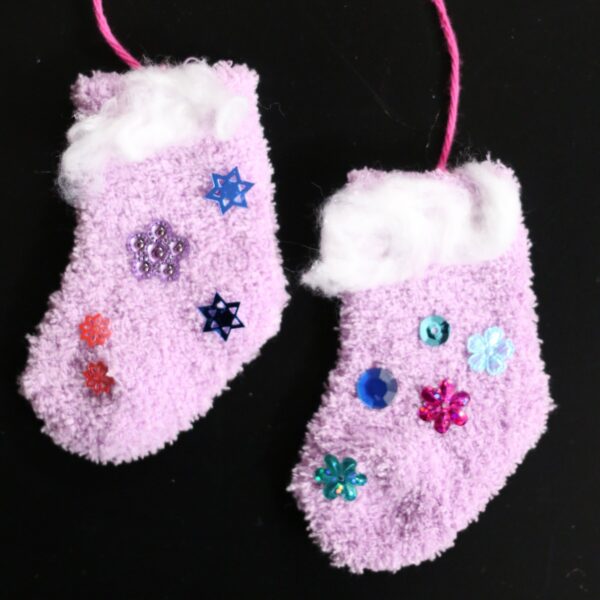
[
  {"x": 175, "y": 280},
  {"x": 439, "y": 390}
]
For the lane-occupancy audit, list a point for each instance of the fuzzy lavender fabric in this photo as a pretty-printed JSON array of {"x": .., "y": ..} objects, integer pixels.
[
  {"x": 167, "y": 371},
  {"x": 424, "y": 487}
]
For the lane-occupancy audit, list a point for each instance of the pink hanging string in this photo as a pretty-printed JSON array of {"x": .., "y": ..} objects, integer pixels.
[
  {"x": 454, "y": 84},
  {"x": 111, "y": 40},
  {"x": 446, "y": 25}
]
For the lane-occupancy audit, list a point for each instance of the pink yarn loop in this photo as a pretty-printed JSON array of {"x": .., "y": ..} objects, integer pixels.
[
  {"x": 446, "y": 25},
  {"x": 454, "y": 84},
  {"x": 111, "y": 40}
]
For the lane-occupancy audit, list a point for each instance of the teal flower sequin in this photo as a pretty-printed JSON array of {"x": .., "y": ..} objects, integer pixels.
[
  {"x": 339, "y": 479},
  {"x": 490, "y": 351}
]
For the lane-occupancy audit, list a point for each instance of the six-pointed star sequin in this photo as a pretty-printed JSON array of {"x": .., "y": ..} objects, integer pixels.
[
  {"x": 221, "y": 316},
  {"x": 229, "y": 190}
]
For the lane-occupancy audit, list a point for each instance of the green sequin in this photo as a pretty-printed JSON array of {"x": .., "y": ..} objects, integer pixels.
[
  {"x": 339, "y": 479},
  {"x": 434, "y": 330}
]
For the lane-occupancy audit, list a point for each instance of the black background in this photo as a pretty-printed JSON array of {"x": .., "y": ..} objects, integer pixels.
[{"x": 344, "y": 84}]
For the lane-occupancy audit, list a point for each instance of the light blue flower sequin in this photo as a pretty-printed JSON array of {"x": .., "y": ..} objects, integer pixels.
[{"x": 490, "y": 352}]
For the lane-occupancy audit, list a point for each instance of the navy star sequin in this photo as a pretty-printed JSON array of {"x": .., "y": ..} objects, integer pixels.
[
  {"x": 229, "y": 190},
  {"x": 221, "y": 316}
]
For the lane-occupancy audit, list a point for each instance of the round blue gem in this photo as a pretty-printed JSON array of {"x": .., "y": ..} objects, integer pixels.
[
  {"x": 376, "y": 388},
  {"x": 434, "y": 330}
]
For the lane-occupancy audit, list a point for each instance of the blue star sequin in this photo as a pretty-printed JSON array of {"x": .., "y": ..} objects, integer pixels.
[
  {"x": 229, "y": 190},
  {"x": 221, "y": 316}
]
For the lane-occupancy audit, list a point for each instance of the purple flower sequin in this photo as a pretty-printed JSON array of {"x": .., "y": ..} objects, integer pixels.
[{"x": 157, "y": 252}]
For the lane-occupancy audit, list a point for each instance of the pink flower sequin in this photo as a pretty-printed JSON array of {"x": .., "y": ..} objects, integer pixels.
[{"x": 444, "y": 406}]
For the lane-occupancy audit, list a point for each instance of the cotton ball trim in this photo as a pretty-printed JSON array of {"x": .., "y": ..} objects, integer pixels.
[
  {"x": 381, "y": 232},
  {"x": 154, "y": 107}
]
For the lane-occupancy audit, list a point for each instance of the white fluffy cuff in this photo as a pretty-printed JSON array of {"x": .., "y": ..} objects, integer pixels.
[
  {"x": 382, "y": 228},
  {"x": 145, "y": 111}
]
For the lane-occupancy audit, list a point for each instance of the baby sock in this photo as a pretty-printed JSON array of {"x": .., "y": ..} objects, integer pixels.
[
  {"x": 439, "y": 390},
  {"x": 175, "y": 279}
]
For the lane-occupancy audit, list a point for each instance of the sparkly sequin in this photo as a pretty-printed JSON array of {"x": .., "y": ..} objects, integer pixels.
[
  {"x": 221, "y": 317},
  {"x": 94, "y": 330},
  {"x": 97, "y": 378},
  {"x": 444, "y": 406},
  {"x": 157, "y": 252},
  {"x": 229, "y": 190},
  {"x": 376, "y": 388},
  {"x": 434, "y": 330},
  {"x": 339, "y": 479},
  {"x": 490, "y": 352}
]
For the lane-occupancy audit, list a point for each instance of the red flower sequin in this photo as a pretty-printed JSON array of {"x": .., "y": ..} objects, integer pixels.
[
  {"x": 96, "y": 378},
  {"x": 94, "y": 330},
  {"x": 444, "y": 406}
]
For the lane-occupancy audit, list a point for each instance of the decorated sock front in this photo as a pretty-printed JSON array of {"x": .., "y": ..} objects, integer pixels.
[
  {"x": 439, "y": 390},
  {"x": 175, "y": 280}
]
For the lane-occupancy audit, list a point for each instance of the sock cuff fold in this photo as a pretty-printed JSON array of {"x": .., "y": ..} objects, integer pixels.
[{"x": 385, "y": 227}]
